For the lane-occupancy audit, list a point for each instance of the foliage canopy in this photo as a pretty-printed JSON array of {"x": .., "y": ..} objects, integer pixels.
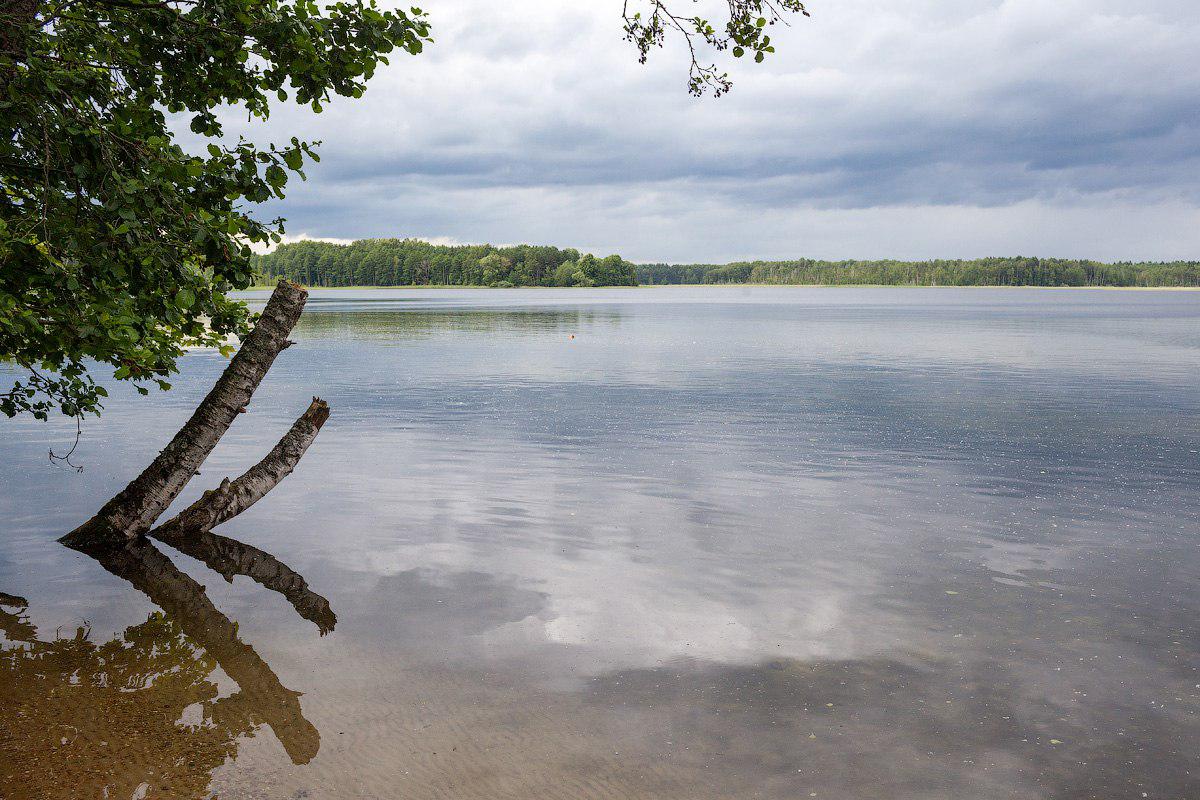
[
  {"x": 1009, "y": 271},
  {"x": 116, "y": 243},
  {"x": 412, "y": 262}
]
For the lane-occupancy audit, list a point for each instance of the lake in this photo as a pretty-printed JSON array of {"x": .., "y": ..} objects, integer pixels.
[{"x": 677, "y": 542}]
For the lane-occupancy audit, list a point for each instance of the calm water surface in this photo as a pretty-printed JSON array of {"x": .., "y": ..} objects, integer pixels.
[{"x": 656, "y": 543}]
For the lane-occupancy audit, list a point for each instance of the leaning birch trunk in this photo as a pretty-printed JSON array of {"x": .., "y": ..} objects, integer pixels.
[
  {"x": 132, "y": 512},
  {"x": 233, "y": 497}
]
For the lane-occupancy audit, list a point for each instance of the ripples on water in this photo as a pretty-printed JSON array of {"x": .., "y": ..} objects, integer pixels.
[{"x": 722, "y": 543}]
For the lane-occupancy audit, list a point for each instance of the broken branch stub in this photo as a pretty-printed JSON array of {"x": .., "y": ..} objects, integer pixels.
[{"x": 133, "y": 511}]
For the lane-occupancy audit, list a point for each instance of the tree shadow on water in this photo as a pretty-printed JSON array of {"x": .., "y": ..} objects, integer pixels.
[{"x": 139, "y": 715}]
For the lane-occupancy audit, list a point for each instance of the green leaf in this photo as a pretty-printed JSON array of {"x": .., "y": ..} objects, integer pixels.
[
  {"x": 184, "y": 299},
  {"x": 276, "y": 176}
]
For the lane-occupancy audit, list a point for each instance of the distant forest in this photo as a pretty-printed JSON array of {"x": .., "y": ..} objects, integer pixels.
[
  {"x": 1016, "y": 271},
  {"x": 411, "y": 262}
]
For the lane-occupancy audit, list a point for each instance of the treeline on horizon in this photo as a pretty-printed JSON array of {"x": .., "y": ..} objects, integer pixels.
[
  {"x": 1013, "y": 271},
  {"x": 412, "y": 262}
]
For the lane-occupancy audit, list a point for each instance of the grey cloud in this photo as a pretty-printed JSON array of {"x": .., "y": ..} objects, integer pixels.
[{"x": 532, "y": 108}]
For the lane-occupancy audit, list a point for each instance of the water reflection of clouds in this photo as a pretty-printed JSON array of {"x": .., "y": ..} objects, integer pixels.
[
  {"x": 633, "y": 575},
  {"x": 799, "y": 339},
  {"x": 627, "y": 503},
  {"x": 698, "y": 525}
]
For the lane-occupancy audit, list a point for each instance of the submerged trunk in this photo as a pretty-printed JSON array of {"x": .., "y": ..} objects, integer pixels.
[{"x": 132, "y": 512}]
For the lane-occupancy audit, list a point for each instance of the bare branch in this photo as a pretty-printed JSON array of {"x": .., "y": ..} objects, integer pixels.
[{"x": 744, "y": 32}]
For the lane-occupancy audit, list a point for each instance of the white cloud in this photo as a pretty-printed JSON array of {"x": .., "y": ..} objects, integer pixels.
[{"x": 288, "y": 238}]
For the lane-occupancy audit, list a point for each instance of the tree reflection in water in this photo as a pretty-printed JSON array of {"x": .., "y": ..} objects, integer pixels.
[{"x": 140, "y": 715}]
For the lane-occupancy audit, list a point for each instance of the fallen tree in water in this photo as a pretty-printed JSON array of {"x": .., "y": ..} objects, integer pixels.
[{"x": 133, "y": 511}]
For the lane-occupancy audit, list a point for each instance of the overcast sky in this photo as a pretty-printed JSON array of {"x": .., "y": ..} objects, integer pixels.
[{"x": 909, "y": 128}]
